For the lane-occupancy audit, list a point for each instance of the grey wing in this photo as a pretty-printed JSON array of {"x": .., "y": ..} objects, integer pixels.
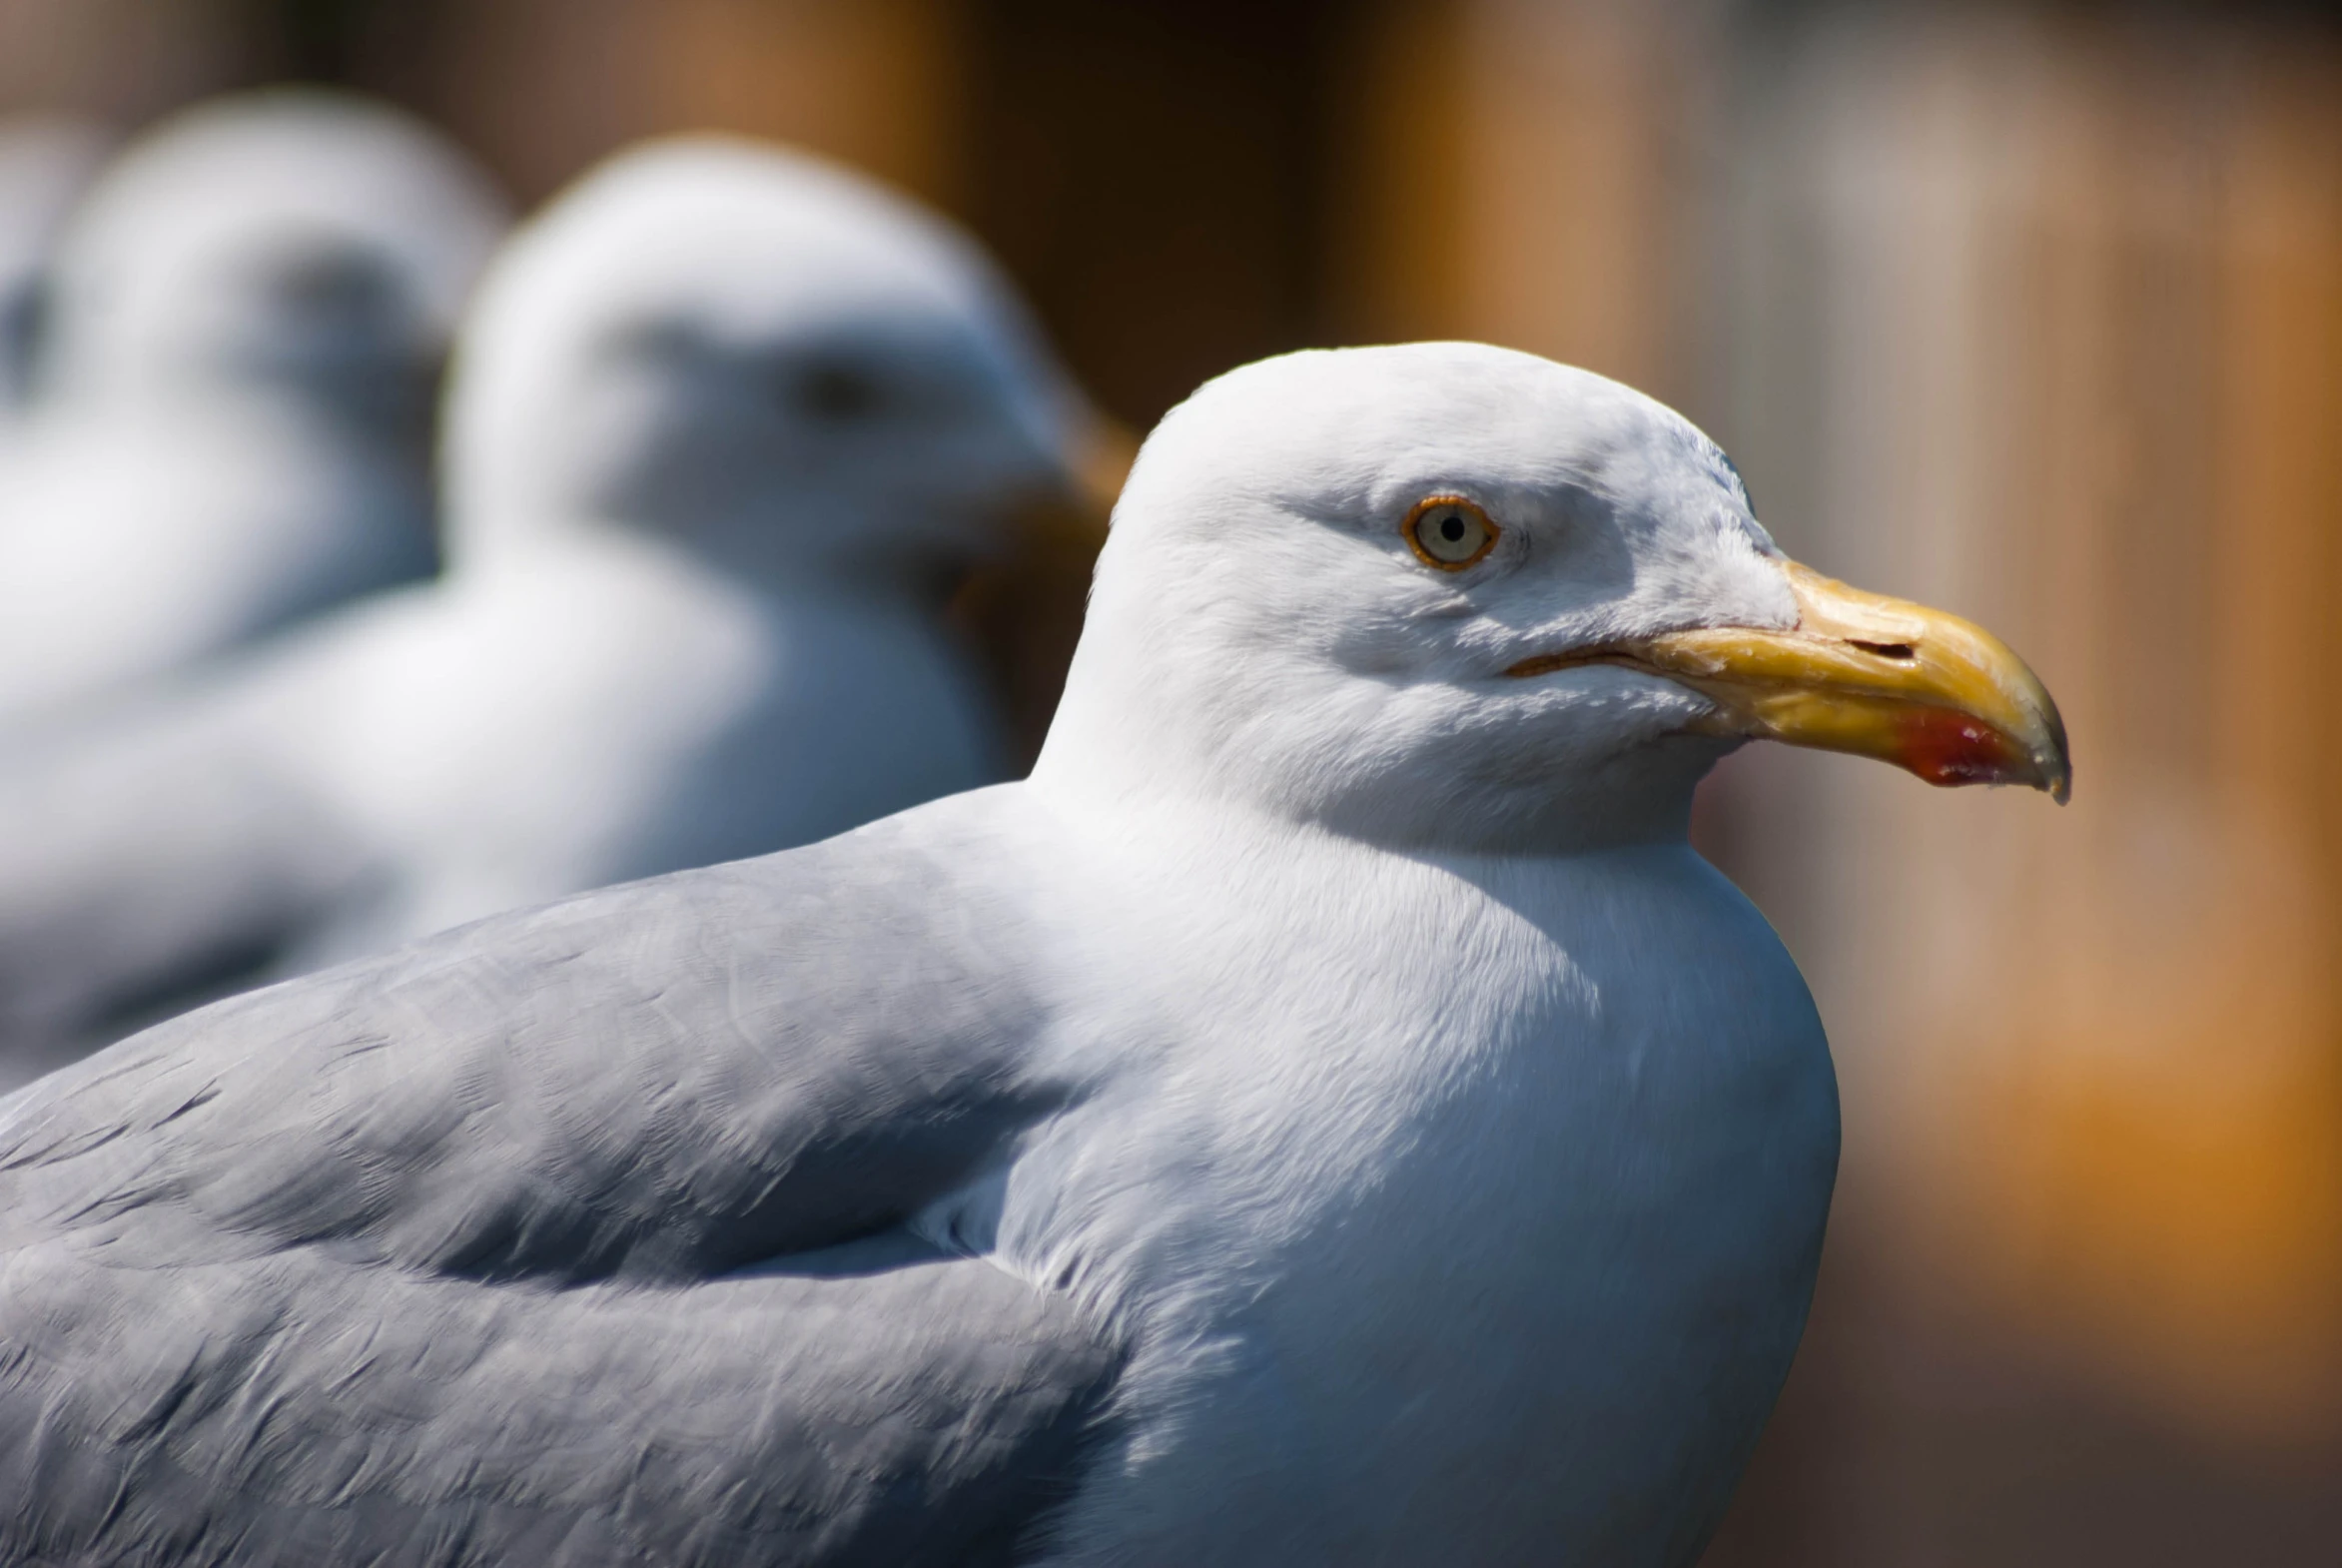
[
  {"x": 298, "y": 1412},
  {"x": 144, "y": 857},
  {"x": 550, "y": 1241}
]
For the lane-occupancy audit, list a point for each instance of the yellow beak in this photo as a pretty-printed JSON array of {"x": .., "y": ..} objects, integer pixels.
[{"x": 1867, "y": 674}]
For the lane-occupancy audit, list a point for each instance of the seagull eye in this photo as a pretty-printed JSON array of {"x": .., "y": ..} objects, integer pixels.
[
  {"x": 839, "y": 394},
  {"x": 1449, "y": 533}
]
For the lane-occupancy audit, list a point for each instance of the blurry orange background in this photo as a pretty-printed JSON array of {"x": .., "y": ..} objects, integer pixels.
[{"x": 2032, "y": 310}]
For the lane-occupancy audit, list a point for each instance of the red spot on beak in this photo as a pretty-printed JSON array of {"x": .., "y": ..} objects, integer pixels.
[{"x": 1945, "y": 747}]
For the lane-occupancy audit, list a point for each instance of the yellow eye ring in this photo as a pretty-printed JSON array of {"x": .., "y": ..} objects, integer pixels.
[{"x": 1449, "y": 533}]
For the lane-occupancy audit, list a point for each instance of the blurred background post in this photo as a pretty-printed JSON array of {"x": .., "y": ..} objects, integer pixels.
[{"x": 2034, "y": 310}]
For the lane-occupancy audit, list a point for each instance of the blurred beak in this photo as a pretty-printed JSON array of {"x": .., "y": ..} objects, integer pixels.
[
  {"x": 1023, "y": 609},
  {"x": 1865, "y": 674},
  {"x": 1100, "y": 469},
  {"x": 1073, "y": 515}
]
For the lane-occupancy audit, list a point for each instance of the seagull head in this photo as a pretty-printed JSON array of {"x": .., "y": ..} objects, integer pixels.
[
  {"x": 761, "y": 357},
  {"x": 1446, "y": 596},
  {"x": 301, "y": 246}
]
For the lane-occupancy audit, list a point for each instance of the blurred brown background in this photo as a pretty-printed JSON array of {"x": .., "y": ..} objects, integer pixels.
[{"x": 2033, "y": 310}]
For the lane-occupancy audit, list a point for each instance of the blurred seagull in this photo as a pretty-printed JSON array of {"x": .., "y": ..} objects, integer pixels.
[
  {"x": 725, "y": 426},
  {"x": 44, "y": 167},
  {"x": 1328, "y": 1113},
  {"x": 231, "y": 432}
]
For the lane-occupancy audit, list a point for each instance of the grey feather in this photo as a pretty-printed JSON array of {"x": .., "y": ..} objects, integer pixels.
[{"x": 511, "y": 1246}]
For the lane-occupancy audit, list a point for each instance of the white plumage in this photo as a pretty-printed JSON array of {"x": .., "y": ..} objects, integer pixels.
[
  {"x": 726, "y": 425},
  {"x": 1326, "y": 1115},
  {"x": 245, "y": 319},
  {"x": 1462, "y": 1141}
]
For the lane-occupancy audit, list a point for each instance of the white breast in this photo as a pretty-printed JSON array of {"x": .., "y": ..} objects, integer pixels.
[
  {"x": 130, "y": 547},
  {"x": 1454, "y": 1220},
  {"x": 598, "y": 715}
]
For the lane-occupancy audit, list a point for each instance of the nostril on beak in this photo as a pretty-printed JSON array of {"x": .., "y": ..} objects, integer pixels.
[{"x": 1886, "y": 650}]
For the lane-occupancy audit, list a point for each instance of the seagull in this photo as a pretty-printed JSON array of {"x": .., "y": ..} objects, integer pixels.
[
  {"x": 230, "y": 430},
  {"x": 1325, "y": 1114},
  {"x": 44, "y": 167},
  {"x": 725, "y": 426}
]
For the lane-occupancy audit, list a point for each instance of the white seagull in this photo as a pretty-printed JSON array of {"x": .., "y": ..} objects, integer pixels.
[
  {"x": 726, "y": 425},
  {"x": 230, "y": 432},
  {"x": 1328, "y": 1113}
]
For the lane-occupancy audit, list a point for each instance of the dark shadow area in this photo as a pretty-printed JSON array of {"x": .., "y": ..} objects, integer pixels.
[
  {"x": 880, "y": 1252},
  {"x": 1152, "y": 173}
]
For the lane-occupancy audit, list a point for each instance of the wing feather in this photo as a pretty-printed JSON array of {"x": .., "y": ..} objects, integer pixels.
[{"x": 498, "y": 1248}]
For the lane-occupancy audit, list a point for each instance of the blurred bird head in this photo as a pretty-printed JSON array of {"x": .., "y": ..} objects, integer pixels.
[
  {"x": 44, "y": 166},
  {"x": 767, "y": 360},
  {"x": 1449, "y": 596},
  {"x": 303, "y": 247}
]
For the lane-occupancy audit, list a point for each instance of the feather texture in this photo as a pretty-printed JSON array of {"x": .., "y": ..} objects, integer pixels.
[{"x": 525, "y": 1244}]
